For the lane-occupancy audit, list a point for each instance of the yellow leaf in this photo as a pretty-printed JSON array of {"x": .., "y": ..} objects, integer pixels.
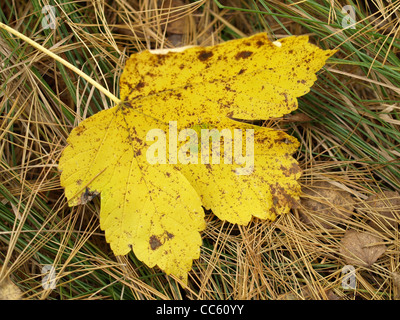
[
  {"x": 151, "y": 209},
  {"x": 149, "y": 201}
]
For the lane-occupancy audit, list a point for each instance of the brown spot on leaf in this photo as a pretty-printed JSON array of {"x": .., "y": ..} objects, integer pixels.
[
  {"x": 228, "y": 88},
  {"x": 259, "y": 43},
  {"x": 80, "y": 129},
  {"x": 169, "y": 235},
  {"x": 282, "y": 139},
  {"x": 88, "y": 195},
  {"x": 160, "y": 58},
  {"x": 243, "y": 55},
  {"x": 293, "y": 170},
  {"x": 140, "y": 85},
  {"x": 280, "y": 197},
  {"x": 286, "y": 97},
  {"x": 137, "y": 140},
  {"x": 154, "y": 242},
  {"x": 126, "y": 104},
  {"x": 205, "y": 55}
]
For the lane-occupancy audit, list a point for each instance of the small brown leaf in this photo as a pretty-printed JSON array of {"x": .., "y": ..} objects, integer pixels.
[
  {"x": 396, "y": 285},
  {"x": 173, "y": 10},
  {"x": 332, "y": 296},
  {"x": 8, "y": 290},
  {"x": 297, "y": 117},
  {"x": 383, "y": 210},
  {"x": 326, "y": 204},
  {"x": 361, "y": 248},
  {"x": 307, "y": 294}
]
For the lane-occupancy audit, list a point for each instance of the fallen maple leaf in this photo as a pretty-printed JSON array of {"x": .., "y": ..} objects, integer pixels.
[
  {"x": 361, "y": 248},
  {"x": 154, "y": 206},
  {"x": 396, "y": 285},
  {"x": 383, "y": 210},
  {"x": 326, "y": 204},
  {"x": 8, "y": 290}
]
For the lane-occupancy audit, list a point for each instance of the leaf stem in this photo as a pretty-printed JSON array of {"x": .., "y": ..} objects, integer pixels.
[{"x": 62, "y": 61}]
